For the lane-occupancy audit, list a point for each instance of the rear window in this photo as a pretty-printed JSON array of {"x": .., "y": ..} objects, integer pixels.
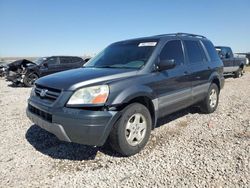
[
  {"x": 195, "y": 51},
  {"x": 211, "y": 50}
]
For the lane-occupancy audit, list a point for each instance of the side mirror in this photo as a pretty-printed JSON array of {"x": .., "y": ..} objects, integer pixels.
[{"x": 166, "y": 64}]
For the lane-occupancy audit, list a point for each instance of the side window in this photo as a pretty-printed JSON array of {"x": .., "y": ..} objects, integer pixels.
[
  {"x": 195, "y": 52},
  {"x": 52, "y": 61},
  {"x": 229, "y": 53},
  {"x": 69, "y": 60},
  {"x": 76, "y": 60},
  {"x": 65, "y": 60},
  {"x": 224, "y": 52},
  {"x": 173, "y": 50},
  {"x": 211, "y": 50}
]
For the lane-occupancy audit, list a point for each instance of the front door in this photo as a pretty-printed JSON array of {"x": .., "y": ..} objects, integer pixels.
[
  {"x": 172, "y": 86},
  {"x": 50, "y": 66}
]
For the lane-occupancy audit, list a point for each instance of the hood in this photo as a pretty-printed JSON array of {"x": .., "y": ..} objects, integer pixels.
[
  {"x": 19, "y": 63},
  {"x": 76, "y": 78}
]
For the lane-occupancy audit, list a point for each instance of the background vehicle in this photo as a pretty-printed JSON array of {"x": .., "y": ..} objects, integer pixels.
[
  {"x": 27, "y": 72},
  {"x": 234, "y": 65},
  {"x": 119, "y": 94},
  {"x": 3, "y": 69},
  {"x": 16, "y": 69}
]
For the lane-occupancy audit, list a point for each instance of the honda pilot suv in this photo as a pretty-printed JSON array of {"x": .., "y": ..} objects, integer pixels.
[{"x": 119, "y": 94}]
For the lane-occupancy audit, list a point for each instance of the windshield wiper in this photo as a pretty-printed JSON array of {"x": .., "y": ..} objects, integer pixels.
[{"x": 105, "y": 66}]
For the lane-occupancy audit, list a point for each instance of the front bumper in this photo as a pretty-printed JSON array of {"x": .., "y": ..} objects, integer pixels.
[
  {"x": 74, "y": 125},
  {"x": 14, "y": 77}
]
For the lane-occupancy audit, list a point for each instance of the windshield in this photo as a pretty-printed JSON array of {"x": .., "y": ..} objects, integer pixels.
[
  {"x": 40, "y": 60},
  {"x": 130, "y": 55}
]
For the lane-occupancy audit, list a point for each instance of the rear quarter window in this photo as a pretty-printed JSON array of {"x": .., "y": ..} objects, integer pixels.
[{"x": 211, "y": 50}]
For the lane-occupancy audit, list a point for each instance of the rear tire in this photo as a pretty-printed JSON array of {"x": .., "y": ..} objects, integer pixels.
[
  {"x": 30, "y": 79},
  {"x": 131, "y": 133},
  {"x": 238, "y": 73},
  {"x": 210, "y": 103}
]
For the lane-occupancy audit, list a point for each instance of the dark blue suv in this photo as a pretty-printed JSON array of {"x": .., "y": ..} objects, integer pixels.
[{"x": 119, "y": 94}]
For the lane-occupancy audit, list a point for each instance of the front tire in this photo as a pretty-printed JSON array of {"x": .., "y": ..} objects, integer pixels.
[
  {"x": 30, "y": 79},
  {"x": 131, "y": 133},
  {"x": 210, "y": 103}
]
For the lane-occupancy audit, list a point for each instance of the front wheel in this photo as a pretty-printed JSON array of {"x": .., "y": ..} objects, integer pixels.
[
  {"x": 132, "y": 131},
  {"x": 30, "y": 79},
  {"x": 210, "y": 103}
]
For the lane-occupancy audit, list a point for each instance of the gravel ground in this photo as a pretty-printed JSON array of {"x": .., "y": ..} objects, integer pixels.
[{"x": 188, "y": 149}]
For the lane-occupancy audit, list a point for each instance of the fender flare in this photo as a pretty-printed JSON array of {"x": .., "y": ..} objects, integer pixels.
[
  {"x": 133, "y": 92},
  {"x": 216, "y": 76},
  {"x": 136, "y": 91}
]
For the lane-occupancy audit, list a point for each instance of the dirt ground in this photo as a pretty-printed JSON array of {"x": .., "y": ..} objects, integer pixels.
[{"x": 188, "y": 149}]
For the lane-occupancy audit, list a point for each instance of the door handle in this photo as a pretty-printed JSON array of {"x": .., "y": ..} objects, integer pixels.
[{"x": 186, "y": 72}]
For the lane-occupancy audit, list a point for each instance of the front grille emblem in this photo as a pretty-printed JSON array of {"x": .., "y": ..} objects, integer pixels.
[{"x": 43, "y": 92}]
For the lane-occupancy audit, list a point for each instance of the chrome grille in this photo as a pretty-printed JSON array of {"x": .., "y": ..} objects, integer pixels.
[{"x": 47, "y": 93}]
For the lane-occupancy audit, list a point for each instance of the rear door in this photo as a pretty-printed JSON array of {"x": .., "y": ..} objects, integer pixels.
[
  {"x": 77, "y": 62},
  {"x": 172, "y": 86},
  {"x": 198, "y": 67},
  {"x": 68, "y": 63},
  {"x": 65, "y": 63}
]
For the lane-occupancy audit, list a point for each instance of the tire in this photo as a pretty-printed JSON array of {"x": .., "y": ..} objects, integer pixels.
[
  {"x": 238, "y": 73},
  {"x": 210, "y": 103},
  {"x": 30, "y": 79},
  {"x": 123, "y": 137}
]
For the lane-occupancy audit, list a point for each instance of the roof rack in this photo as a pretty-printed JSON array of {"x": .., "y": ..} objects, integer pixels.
[
  {"x": 189, "y": 34},
  {"x": 185, "y": 34}
]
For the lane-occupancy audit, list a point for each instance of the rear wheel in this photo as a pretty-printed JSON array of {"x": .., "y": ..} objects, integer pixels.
[
  {"x": 238, "y": 73},
  {"x": 30, "y": 79},
  {"x": 210, "y": 103},
  {"x": 132, "y": 131}
]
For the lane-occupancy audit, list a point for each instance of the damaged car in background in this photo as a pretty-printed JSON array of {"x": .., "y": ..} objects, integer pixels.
[
  {"x": 15, "y": 71},
  {"x": 26, "y": 72},
  {"x": 3, "y": 69}
]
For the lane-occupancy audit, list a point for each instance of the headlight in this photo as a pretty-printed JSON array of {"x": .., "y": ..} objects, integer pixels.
[{"x": 90, "y": 95}]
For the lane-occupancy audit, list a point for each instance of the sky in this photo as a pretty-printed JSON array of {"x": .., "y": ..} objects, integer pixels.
[{"x": 85, "y": 27}]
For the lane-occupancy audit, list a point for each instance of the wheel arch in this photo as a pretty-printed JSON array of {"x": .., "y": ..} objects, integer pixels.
[
  {"x": 142, "y": 95},
  {"x": 241, "y": 66},
  {"x": 147, "y": 102},
  {"x": 215, "y": 78}
]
